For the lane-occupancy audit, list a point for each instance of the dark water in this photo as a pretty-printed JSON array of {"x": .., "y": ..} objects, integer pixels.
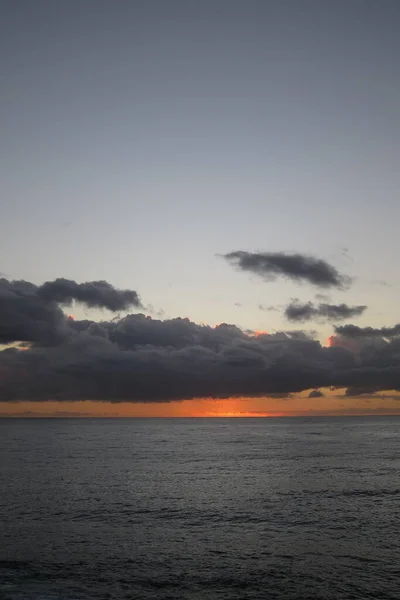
[{"x": 200, "y": 509}]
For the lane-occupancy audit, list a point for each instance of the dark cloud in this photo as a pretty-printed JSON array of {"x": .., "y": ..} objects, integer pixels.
[
  {"x": 138, "y": 358},
  {"x": 300, "y": 312},
  {"x": 341, "y": 341},
  {"x": 95, "y": 294},
  {"x": 352, "y": 331},
  {"x": 297, "y": 267},
  {"x": 30, "y": 313},
  {"x": 26, "y": 317},
  {"x": 360, "y": 390},
  {"x": 315, "y": 394}
]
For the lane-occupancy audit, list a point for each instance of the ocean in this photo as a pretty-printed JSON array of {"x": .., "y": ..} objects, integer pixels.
[{"x": 200, "y": 509}]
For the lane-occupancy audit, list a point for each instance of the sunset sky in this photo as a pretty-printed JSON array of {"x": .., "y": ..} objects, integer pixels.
[{"x": 217, "y": 162}]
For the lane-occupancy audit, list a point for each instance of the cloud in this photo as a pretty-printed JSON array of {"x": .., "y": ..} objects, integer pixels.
[
  {"x": 351, "y": 344},
  {"x": 30, "y": 313},
  {"x": 352, "y": 331},
  {"x": 315, "y": 394},
  {"x": 95, "y": 294},
  {"x": 360, "y": 390},
  {"x": 345, "y": 253},
  {"x": 297, "y": 267},
  {"x": 300, "y": 312},
  {"x": 267, "y": 308},
  {"x": 140, "y": 359},
  {"x": 322, "y": 297},
  {"x": 157, "y": 312}
]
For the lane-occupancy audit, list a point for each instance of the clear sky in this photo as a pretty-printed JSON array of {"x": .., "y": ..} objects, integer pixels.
[{"x": 142, "y": 139}]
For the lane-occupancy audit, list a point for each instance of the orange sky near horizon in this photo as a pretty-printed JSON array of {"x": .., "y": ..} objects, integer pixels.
[{"x": 333, "y": 403}]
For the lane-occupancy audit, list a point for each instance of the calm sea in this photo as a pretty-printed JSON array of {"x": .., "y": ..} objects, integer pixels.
[{"x": 200, "y": 509}]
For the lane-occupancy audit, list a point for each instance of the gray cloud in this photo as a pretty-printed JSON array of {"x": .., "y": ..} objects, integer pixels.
[
  {"x": 360, "y": 390},
  {"x": 95, "y": 294},
  {"x": 300, "y": 312},
  {"x": 267, "y": 308},
  {"x": 345, "y": 253},
  {"x": 315, "y": 394},
  {"x": 30, "y": 313},
  {"x": 157, "y": 312},
  {"x": 138, "y": 358},
  {"x": 322, "y": 297},
  {"x": 352, "y": 331},
  {"x": 297, "y": 267}
]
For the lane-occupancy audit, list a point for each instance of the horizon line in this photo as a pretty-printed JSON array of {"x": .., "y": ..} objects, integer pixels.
[{"x": 300, "y": 416}]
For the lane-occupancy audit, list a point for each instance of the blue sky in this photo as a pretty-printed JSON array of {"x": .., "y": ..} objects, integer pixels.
[{"x": 141, "y": 139}]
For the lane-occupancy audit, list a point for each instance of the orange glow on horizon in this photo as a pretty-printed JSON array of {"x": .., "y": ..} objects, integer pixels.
[
  {"x": 333, "y": 403},
  {"x": 240, "y": 414}
]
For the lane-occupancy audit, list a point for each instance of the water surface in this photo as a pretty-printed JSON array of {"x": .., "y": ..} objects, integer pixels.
[{"x": 200, "y": 509}]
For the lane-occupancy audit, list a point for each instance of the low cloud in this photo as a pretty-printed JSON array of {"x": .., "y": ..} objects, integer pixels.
[
  {"x": 315, "y": 394},
  {"x": 296, "y": 267},
  {"x": 301, "y": 312},
  {"x": 140, "y": 359},
  {"x": 31, "y": 313},
  {"x": 360, "y": 390},
  {"x": 352, "y": 331},
  {"x": 94, "y": 294}
]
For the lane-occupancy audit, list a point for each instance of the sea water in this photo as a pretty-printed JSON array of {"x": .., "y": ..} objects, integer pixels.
[{"x": 288, "y": 508}]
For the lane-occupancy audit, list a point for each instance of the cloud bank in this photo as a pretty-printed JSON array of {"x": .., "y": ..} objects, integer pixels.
[
  {"x": 301, "y": 312},
  {"x": 140, "y": 359},
  {"x": 352, "y": 331},
  {"x": 32, "y": 313},
  {"x": 297, "y": 267}
]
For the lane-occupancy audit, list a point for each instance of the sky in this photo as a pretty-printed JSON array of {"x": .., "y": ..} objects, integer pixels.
[{"x": 222, "y": 162}]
